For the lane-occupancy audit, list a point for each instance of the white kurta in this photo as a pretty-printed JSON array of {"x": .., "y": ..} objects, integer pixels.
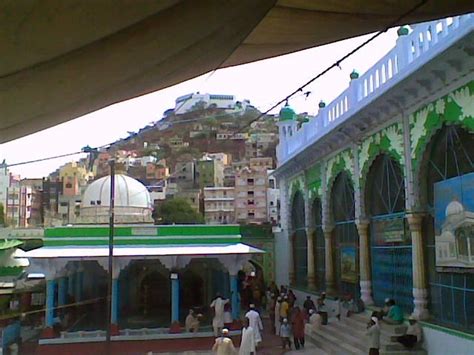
[
  {"x": 277, "y": 318},
  {"x": 218, "y": 305},
  {"x": 247, "y": 345},
  {"x": 256, "y": 323}
]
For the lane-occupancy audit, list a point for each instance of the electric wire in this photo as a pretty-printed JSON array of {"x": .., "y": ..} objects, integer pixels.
[{"x": 300, "y": 89}]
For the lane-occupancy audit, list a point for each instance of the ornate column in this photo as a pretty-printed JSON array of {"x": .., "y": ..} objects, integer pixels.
[
  {"x": 234, "y": 296},
  {"x": 420, "y": 290},
  {"x": 329, "y": 261},
  {"x": 364, "y": 262},
  {"x": 114, "y": 316},
  {"x": 174, "y": 297},
  {"x": 311, "y": 263},
  {"x": 50, "y": 292},
  {"x": 62, "y": 290},
  {"x": 79, "y": 283}
]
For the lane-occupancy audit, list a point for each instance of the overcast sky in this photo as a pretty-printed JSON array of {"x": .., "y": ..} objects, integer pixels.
[{"x": 264, "y": 83}]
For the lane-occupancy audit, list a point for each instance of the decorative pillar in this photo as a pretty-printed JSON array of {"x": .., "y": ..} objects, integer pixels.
[
  {"x": 311, "y": 265},
  {"x": 115, "y": 302},
  {"x": 79, "y": 284},
  {"x": 364, "y": 262},
  {"x": 329, "y": 262},
  {"x": 291, "y": 259},
  {"x": 234, "y": 297},
  {"x": 420, "y": 290},
  {"x": 174, "y": 297},
  {"x": 62, "y": 291},
  {"x": 50, "y": 290}
]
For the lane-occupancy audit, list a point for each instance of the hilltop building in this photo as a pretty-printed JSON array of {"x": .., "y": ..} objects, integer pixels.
[
  {"x": 219, "y": 205},
  {"x": 189, "y": 102}
]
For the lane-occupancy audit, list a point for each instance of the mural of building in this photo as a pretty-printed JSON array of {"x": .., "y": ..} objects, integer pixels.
[{"x": 357, "y": 184}]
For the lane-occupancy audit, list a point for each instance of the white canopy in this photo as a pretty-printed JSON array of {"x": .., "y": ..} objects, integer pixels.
[{"x": 63, "y": 59}]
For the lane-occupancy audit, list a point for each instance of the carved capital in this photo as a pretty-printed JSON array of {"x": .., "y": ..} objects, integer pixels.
[
  {"x": 414, "y": 222},
  {"x": 362, "y": 226}
]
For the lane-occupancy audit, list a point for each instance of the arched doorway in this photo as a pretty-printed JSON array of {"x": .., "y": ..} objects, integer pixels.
[
  {"x": 448, "y": 161},
  {"x": 390, "y": 239},
  {"x": 300, "y": 243},
  {"x": 154, "y": 294},
  {"x": 319, "y": 246},
  {"x": 346, "y": 238}
]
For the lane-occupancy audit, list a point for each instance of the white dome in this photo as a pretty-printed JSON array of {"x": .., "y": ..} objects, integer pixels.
[
  {"x": 128, "y": 193},
  {"x": 454, "y": 208}
]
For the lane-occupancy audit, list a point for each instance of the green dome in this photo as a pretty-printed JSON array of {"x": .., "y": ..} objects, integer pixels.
[
  {"x": 287, "y": 113},
  {"x": 403, "y": 31},
  {"x": 354, "y": 75},
  {"x": 322, "y": 104}
]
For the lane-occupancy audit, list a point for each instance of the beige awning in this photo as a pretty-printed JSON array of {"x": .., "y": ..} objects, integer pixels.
[{"x": 61, "y": 59}]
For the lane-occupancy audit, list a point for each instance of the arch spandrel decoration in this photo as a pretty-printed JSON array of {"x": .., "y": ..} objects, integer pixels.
[
  {"x": 314, "y": 182},
  {"x": 454, "y": 108},
  {"x": 389, "y": 141},
  {"x": 296, "y": 185},
  {"x": 337, "y": 164}
]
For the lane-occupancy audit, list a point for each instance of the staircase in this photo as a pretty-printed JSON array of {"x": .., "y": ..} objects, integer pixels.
[{"x": 347, "y": 337}]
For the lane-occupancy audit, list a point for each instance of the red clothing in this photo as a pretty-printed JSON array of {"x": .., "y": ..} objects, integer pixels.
[{"x": 298, "y": 325}]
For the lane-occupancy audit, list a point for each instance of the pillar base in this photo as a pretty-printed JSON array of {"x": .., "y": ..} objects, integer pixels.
[
  {"x": 114, "y": 329},
  {"x": 175, "y": 328},
  {"x": 48, "y": 333},
  {"x": 366, "y": 292},
  {"x": 420, "y": 300}
]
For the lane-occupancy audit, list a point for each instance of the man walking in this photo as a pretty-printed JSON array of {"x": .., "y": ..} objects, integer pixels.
[
  {"x": 218, "y": 320},
  {"x": 247, "y": 345},
  {"x": 256, "y": 323}
]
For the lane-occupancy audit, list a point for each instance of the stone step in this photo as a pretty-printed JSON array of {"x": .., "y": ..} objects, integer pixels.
[
  {"x": 323, "y": 344},
  {"x": 404, "y": 352},
  {"x": 347, "y": 333},
  {"x": 343, "y": 345},
  {"x": 387, "y": 329}
]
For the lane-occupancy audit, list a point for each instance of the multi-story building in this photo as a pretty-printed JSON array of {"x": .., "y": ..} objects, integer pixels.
[
  {"x": 184, "y": 175},
  {"x": 210, "y": 172},
  {"x": 259, "y": 144},
  {"x": 219, "y": 205},
  {"x": 262, "y": 163},
  {"x": 189, "y": 102},
  {"x": 32, "y": 215},
  {"x": 273, "y": 200},
  {"x": 4, "y": 183},
  {"x": 251, "y": 196},
  {"x": 156, "y": 172}
]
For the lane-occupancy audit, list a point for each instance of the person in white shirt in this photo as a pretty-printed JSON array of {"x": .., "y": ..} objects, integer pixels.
[
  {"x": 256, "y": 323},
  {"x": 247, "y": 345},
  {"x": 314, "y": 322},
  {"x": 413, "y": 334},
  {"x": 277, "y": 315},
  {"x": 373, "y": 331},
  {"x": 224, "y": 345},
  {"x": 218, "y": 320}
]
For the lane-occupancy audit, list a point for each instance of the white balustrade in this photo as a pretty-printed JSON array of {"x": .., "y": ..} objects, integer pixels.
[{"x": 412, "y": 50}]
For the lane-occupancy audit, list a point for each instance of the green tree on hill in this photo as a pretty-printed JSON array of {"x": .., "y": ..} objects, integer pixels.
[{"x": 177, "y": 211}]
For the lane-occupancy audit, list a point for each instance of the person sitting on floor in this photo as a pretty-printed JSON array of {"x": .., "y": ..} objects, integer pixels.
[
  {"x": 314, "y": 321},
  {"x": 395, "y": 313},
  {"x": 412, "y": 336},
  {"x": 191, "y": 322}
]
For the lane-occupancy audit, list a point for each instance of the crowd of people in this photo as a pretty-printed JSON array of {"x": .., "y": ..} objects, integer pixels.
[{"x": 290, "y": 322}]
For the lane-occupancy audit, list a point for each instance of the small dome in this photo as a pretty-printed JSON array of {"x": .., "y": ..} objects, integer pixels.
[
  {"x": 287, "y": 113},
  {"x": 403, "y": 31},
  {"x": 354, "y": 75},
  {"x": 322, "y": 104},
  {"x": 128, "y": 193},
  {"x": 454, "y": 208}
]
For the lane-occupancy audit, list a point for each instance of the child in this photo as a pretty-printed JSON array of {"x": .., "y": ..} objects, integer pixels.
[{"x": 285, "y": 334}]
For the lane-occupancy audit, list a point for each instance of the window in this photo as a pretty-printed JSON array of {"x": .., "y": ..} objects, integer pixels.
[
  {"x": 250, "y": 202},
  {"x": 63, "y": 204},
  {"x": 68, "y": 185},
  {"x": 250, "y": 182},
  {"x": 250, "y": 193},
  {"x": 251, "y": 214}
]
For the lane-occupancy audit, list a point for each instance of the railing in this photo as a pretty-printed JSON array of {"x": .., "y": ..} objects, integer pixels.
[{"x": 425, "y": 41}]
